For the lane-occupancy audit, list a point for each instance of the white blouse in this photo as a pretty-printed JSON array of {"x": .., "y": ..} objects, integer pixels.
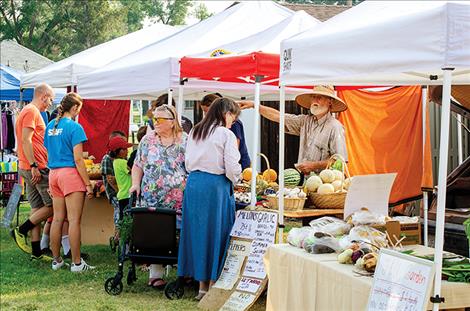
[{"x": 217, "y": 154}]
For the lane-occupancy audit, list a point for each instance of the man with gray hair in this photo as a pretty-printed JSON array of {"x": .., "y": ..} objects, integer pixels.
[{"x": 32, "y": 157}]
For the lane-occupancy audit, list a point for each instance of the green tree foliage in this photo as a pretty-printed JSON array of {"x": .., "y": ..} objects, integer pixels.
[
  {"x": 201, "y": 12},
  {"x": 170, "y": 12},
  {"x": 60, "y": 28}
]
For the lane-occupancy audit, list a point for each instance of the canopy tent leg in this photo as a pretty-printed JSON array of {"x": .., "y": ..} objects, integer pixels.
[
  {"x": 426, "y": 223},
  {"x": 424, "y": 98},
  {"x": 442, "y": 186},
  {"x": 282, "y": 110},
  {"x": 179, "y": 108},
  {"x": 254, "y": 152},
  {"x": 170, "y": 96}
]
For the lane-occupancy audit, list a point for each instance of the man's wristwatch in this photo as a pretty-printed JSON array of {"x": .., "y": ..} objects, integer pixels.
[{"x": 34, "y": 164}]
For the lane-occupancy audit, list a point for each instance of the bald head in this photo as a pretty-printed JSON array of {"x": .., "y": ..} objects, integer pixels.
[
  {"x": 43, "y": 96},
  {"x": 43, "y": 89}
]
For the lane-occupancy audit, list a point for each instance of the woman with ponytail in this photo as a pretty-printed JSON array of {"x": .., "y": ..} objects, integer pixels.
[{"x": 68, "y": 179}]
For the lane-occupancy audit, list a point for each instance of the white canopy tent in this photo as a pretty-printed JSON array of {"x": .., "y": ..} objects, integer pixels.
[
  {"x": 154, "y": 69},
  {"x": 389, "y": 43},
  {"x": 267, "y": 41},
  {"x": 64, "y": 72}
]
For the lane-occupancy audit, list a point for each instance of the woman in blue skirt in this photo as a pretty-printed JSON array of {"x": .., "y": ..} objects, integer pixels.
[{"x": 212, "y": 158}]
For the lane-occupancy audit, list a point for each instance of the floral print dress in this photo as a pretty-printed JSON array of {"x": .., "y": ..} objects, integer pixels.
[{"x": 165, "y": 175}]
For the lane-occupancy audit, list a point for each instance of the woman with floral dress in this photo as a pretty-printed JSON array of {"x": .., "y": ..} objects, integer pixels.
[{"x": 159, "y": 174}]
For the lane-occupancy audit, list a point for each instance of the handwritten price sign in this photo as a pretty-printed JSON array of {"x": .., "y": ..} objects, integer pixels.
[{"x": 401, "y": 283}]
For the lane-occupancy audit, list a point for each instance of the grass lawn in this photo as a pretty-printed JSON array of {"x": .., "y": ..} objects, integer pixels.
[{"x": 28, "y": 286}]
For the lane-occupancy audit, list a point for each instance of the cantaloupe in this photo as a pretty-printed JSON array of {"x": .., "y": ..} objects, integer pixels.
[
  {"x": 313, "y": 182},
  {"x": 327, "y": 176},
  {"x": 326, "y": 189}
]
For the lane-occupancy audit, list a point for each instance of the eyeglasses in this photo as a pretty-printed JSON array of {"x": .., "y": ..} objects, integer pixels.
[{"x": 160, "y": 120}]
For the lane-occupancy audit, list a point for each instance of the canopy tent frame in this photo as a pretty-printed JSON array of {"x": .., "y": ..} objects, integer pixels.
[{"x": 442, "y": 180}]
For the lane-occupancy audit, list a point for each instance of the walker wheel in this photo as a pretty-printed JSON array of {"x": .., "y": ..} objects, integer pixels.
[
  {"x": 112, "y": 287},
  {"x": 173, "y": 291}
]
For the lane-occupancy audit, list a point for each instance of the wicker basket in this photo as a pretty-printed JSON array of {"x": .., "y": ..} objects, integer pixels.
[
  {"x": 290, "y": 204},
  {"x": 331, "y": 200},
  {"x": 246, "y": 186}
]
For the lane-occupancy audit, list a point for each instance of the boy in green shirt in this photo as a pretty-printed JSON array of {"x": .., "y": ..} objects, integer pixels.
[{"x": 118, "y": 150}]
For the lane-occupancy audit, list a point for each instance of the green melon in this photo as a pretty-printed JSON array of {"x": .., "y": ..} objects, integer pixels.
[{"x": 291, "y": 177}]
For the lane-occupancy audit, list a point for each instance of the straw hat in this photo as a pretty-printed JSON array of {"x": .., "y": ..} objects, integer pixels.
[{"x": 305, "y": 101}]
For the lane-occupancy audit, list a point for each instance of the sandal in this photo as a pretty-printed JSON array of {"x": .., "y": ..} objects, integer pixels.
[
  {"x": 157, "y": 283},
  {"x": 200, "y": 295}
]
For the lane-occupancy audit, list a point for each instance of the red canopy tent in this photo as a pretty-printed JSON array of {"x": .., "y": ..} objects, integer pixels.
[{"x": 237, "y": 68}]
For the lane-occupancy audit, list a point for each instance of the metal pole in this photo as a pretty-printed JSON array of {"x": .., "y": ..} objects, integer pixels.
[
  {"x": 442, "y": 184},
  {"x": 282, "y": 110},
  {"x": 459, "y": 138},
  {"x": 179, "y": 109},
  {"x": 426, "y": 222},
  {"x": 170, "y": 97},
  {"x": 424, "y": 98},
  {"x": 254, "y": 152}
]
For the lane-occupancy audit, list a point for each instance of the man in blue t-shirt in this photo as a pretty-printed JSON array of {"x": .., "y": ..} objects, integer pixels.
[{"x": 237, "y": 129}]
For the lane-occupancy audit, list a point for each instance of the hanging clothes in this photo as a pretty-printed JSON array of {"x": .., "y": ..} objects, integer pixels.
[
  {"x": 4, "y": 131},
  {"x": 10, "y": 132}
]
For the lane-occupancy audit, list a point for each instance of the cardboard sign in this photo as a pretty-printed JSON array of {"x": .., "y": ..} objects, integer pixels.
[
  {"x": 243, "y": 278},
  {"x": 12, "y": 205},
  {"x": 238, "y": 301},
  {"x": 237, "y": 252},
  {"x": 401, "y": 282}
]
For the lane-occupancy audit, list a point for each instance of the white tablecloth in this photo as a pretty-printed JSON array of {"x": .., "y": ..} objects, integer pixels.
[{"x": 301, "y": 281}]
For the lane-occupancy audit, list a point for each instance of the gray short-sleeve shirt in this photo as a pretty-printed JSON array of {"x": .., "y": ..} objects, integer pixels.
[{"x": 319, "y": 139}]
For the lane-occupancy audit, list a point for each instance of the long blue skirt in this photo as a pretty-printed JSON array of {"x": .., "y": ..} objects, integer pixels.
[{"x": 208, "y": 217}]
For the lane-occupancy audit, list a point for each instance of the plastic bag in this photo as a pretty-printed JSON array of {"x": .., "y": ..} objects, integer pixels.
[
  {"x": 368, "y": 235},
  {"x": 366, "y": 217},
  {"x": 321, "y": 243},
  {"x": 330, "y": 225},
  {"x": 296, "y": 236},
  {"x": 406, "y": 219}
]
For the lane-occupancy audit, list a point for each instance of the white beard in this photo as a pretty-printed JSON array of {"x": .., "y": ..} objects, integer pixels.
[{"x": 318, "y": 110}]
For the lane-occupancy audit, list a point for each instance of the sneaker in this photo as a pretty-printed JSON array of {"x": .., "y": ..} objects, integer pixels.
[
  {"x": 42, "y": 257},
  {"x": 83, "y": 266},
  {"x": 20, "y": 240},
  {"x": 57, "y": 265}
]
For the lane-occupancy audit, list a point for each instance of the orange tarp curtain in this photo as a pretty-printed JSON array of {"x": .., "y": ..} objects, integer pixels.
[{"x": 384, "y": 135}]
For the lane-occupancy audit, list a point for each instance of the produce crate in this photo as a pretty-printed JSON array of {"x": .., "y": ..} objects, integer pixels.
[{"x": 412, "y": 232}]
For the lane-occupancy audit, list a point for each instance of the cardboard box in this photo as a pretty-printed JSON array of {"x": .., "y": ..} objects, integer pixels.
[{"x": 411, "y": 232}]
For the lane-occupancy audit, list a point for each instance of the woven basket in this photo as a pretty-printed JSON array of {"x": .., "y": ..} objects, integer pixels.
[
  {"x": 290, "y": 204},
  {"x": 331, "y": 200},
  {"x": 246, "y": 186}
]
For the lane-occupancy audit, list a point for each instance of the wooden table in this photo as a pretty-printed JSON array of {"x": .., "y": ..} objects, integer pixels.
[{"x": 307, "y": 215}]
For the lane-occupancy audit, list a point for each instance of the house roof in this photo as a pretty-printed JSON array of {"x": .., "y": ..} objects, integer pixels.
[
  {"x": 21, "y": 58},
  {"x": 319, "y": 11}
]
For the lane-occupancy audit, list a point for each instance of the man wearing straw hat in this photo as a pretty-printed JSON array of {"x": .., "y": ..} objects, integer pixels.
[{"x": 321, "y": 134}]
